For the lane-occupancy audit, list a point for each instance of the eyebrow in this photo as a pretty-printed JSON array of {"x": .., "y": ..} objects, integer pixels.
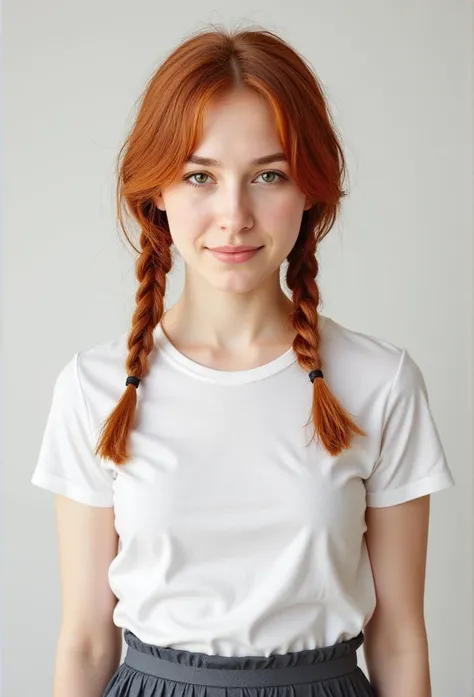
[{"x": 209, "y": 162}]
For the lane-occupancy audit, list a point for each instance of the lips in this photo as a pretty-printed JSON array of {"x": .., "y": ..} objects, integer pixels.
[
  {"x": 235, "y": 257},
  {"x": 233, "y": 249}
]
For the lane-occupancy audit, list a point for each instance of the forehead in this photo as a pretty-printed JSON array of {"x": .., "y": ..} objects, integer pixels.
[{"x": 239, "y": 126}]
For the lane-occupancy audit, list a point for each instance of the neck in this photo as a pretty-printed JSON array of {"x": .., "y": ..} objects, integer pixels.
[{"x": 231, "y": 322}]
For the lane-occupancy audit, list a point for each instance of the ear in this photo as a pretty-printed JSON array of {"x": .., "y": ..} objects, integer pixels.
[
  {"x": 160, "y": 202},
  {"x": 308, "y": 204}
]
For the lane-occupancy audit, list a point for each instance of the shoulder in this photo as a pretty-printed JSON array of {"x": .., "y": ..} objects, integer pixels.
[
  {"x": 104, "y": 359},
  {"x": 95, "y": 374},
  {"x": 358, "y": 348},
  {"x": 362, "y": 358}
]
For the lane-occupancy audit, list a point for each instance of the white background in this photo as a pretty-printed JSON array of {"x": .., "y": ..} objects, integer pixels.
[{"x": 398, "y": 264}]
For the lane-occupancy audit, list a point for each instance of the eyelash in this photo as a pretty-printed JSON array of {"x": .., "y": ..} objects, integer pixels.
[{"x": 200, "y": 186}]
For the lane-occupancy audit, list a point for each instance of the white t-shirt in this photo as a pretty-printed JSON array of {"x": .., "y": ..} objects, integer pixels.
[{"x": 235, "y": 537}]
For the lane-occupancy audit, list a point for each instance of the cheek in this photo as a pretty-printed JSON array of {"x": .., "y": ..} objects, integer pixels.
[
  {"x": 283, "y": 218},
  {"x": 285, "y": 210},
  {"x": 189, "y": 218},
  {"x": 186, "y": 222}
]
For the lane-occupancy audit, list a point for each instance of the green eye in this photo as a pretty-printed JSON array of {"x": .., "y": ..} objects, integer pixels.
[{"x": 204, "y": 174}]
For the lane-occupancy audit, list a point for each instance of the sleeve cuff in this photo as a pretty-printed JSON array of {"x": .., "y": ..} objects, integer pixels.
[
  {"x": 58, "y": 485},
  {"x": 413, "y": 490}
]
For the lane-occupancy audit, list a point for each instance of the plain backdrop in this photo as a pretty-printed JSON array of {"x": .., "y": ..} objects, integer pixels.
[{"x": 398, "y": 264}]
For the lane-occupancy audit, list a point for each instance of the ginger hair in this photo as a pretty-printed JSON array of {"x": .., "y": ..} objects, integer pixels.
[{"x": 202, "y": 68}]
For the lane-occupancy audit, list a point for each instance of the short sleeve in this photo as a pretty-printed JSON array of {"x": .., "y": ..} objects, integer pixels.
[
  {"x": 66, "y": 462},
  {"x": 411, "y": 461}
]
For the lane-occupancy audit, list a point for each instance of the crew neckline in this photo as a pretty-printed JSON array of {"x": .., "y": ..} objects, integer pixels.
[{"x": 227, "y": 377}]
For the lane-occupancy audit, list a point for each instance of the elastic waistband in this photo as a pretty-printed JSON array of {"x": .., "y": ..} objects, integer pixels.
[{"x": 246, "y": 677}]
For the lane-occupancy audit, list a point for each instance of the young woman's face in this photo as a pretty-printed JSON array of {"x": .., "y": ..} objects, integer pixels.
[{"x": 236, "y": 202}]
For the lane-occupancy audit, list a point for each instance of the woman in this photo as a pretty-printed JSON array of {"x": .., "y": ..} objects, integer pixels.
[{"x": 256, "y": 503}]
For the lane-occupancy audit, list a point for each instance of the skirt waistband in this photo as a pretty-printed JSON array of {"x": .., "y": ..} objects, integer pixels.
[{"x": 327, "y": 668}]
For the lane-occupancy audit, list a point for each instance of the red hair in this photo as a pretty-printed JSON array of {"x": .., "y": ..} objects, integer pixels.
[{"x": 201, "y": 69}]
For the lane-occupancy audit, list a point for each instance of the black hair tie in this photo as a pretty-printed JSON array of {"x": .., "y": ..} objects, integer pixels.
[
  {"x": 315, "y": 374},
  {"x": 132, "y": 380}
]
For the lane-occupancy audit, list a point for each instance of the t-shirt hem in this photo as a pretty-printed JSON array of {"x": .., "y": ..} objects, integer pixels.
[
  {"x": 413, "y": 490},
  {"x": 58, "y": 485}
]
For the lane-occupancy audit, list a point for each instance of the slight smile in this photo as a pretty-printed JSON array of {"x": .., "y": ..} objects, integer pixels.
[{"x": 234, "y": 257}]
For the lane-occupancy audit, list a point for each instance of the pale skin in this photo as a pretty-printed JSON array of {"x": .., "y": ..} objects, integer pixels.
[
  {"x": 89, "y": 644},
  {"x": 396, "y": 645},
  {"x": 234, "y": 317}
]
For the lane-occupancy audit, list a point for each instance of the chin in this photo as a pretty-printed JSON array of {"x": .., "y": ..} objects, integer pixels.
[{"x": 234, "y": 285}]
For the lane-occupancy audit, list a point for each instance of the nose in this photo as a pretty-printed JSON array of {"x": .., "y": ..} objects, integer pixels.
[{"x": 234, "y": 210}]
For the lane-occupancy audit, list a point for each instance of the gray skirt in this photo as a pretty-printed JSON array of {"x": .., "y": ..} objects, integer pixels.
[{"x": 157, "y": 671}]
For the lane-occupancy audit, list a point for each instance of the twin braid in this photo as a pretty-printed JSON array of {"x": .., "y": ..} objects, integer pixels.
[
  {"x": 151, "y": 271},
  {"x": 333, "y": 424}
]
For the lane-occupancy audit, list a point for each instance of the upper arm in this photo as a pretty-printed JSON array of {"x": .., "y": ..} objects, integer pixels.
[
  {"x": 397, "y": 539},
  {"x": 87, "y": 544}
]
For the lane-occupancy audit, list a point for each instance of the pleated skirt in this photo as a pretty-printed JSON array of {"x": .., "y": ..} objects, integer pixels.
[{"x": 157, "y": 671}]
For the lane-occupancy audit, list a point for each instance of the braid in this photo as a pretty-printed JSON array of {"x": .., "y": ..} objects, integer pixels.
[
  {"x": 333, "y": 424},
  {"x": 151, "y": 270}
]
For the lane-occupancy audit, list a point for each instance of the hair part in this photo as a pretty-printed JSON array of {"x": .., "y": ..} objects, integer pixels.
[{"x": 203, "y": 68}]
